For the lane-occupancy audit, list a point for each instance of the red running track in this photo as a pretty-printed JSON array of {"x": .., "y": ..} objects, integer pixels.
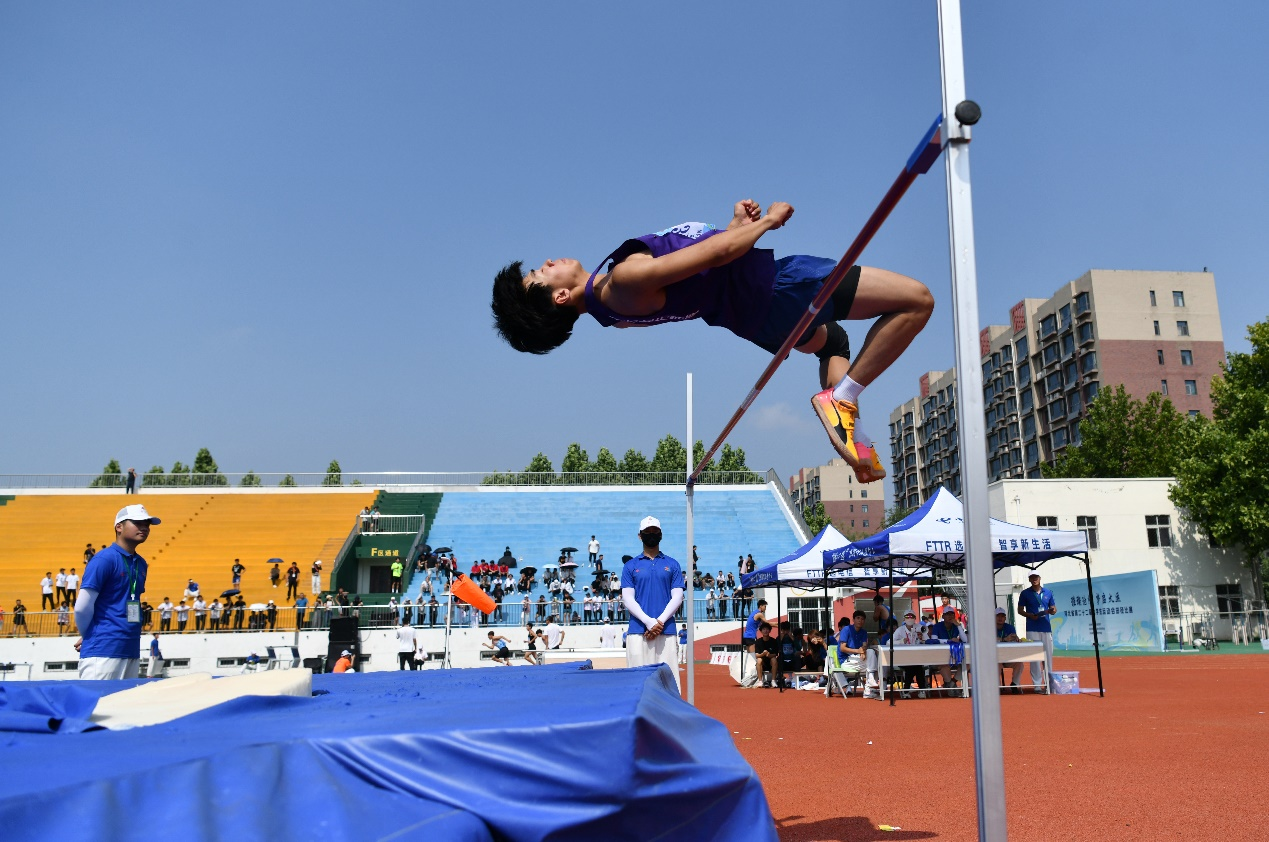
[{"x": 1176, "y": 750}]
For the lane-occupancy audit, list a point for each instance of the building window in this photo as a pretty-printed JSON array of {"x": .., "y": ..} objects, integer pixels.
[
  {"x": 1182, "y": 328},
  {"x": 1086, "y": 332},
  {"x": 1170, "y": 600},
  {"x": 864, "y": 494},
  {"x": 1229, "y": 599},
  {"x": 1065, "y": 315},
  {"x": 1059, "y": 437},
  {"x": 864, "y": 509},
  {"x": 1090, "y": 392},
  {"x": 1033, "y": 454},
  {"x": 1088, "y": 525},
  {"x": 1081, "y": 303},
  {"x": 1048, "y": 325},
  {"x": 1068, "y": 345},
  {"x": 1153, "y": 303},
  {"x": 865, "y": 524},
  {"x": 1046, "y": 521},
  {"x": 1022, "y": 348},
  {"x": 1178, "y": 298},
  {"x": 1050, "y": 353},
  {"x": 1194, "y": 413},
  {"x": 1163, "y": 387},
  {"x": 1088, "y": 362},
  {"x": 1028, "y": 427},
  {"x": 852, "y": 508},
  {"x": 1191, "y": 387},
  {"x": 1158, "y": 530},
  {"x": 1156, "y": 327},
  {"x": 1160, "y": 353},
  {"x": 1187, "y": 358}
]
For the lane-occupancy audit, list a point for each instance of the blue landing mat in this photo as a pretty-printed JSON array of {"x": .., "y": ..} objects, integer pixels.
[{"x": 545, "y": 753}]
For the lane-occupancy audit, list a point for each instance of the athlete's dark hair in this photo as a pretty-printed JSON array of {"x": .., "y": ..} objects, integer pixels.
[{"x": 525, "y": 316}]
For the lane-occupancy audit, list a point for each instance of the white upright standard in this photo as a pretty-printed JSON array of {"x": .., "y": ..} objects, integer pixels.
[
  {"x": 691, "y": 566},
  {"x": 958, "y": 115}
]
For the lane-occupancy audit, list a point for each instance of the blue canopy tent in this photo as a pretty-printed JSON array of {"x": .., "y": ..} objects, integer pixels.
[
  {"x": 806, "y": 569},
  {"x": 933, "y": 537}
]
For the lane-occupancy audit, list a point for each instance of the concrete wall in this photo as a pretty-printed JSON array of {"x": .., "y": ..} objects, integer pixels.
[{"x": 203, "y": 650}]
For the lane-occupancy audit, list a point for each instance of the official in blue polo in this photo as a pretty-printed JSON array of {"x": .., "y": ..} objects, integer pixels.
[
  {"x": 108, "y": 608},
  {"x": 1037, "y": 605},
  {"x": 652, "y": 586}
]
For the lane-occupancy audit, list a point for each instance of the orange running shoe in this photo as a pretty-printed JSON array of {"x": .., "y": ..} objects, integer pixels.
[
  {"x": 871, "y": 470},
  {"x": 838, "y": 418}
]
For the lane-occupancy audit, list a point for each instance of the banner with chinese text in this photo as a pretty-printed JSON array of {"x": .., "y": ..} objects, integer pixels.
[{"x": 1127, "y": 612}]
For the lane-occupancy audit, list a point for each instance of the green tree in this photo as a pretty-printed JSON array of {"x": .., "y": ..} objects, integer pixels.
[
  {"x": 334, "y": 475},
  {"x": 605, "y": 462},
  {"x": 250, "y": 480},
  {"x": 206, "y": 471},
  {"x": 1222, "y": 475},
  {"x": 179, "y": 475},
  {"x": 111, "y": 476},
  {"x": 732, "y": 459},
  {"x": 698, "y": 453},
  {"x": 670, "y": 457},
  {"x": 634, "y": 462},
  {"x": 576, "y": 460},
  {"x": 154, "y": 478},
  {"x": 288, "y": 481},
  {"x": 894, "y": 514},
  {"x": 816, "y": 518},
  {"x": 1123, "y": 437},
  {"x": 539, "y": 464}
]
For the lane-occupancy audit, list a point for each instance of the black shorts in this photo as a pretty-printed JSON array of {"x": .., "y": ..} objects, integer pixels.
[{"x": 747, "y": 641}]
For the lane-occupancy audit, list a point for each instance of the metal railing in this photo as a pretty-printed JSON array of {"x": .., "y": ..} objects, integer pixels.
[
  {"x": 509, "y": 613},
  {"x": 1189, "y": 627},
  {"x": 385, "y": 479},
  {"x": 390, "y": 524}
]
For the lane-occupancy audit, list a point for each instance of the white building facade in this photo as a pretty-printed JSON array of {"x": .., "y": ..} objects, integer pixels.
[{"x": 1132, "y": 526}]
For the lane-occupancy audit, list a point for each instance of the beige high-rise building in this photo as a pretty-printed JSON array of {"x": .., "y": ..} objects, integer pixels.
[
  {"x": 854, "y": 507},
  {"x": 1149, "y": 331}
]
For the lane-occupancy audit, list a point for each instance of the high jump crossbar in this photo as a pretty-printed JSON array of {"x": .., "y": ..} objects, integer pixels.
[{"x": 922, "y": 158}]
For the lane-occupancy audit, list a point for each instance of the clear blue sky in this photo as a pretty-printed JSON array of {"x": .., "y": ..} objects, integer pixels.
[{"x": 270, "y": 229}]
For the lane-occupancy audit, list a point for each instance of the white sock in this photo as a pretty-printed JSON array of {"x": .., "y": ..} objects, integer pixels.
[
  {"x": 848, "y": 390},
  {"x": 862, "y": 438}
]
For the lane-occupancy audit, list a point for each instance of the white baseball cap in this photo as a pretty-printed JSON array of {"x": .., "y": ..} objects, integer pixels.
[
  {"x": 1002, "y": 612},
  {"x": 346, "y": 652},
  {"x": 135, "y": 512},
  {"x": 648, "y": 522}
]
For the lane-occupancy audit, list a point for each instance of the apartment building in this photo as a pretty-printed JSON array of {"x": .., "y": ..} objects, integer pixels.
[
  {"x": 855, "y": 508},
  {"x": 1149, "y": 331}
]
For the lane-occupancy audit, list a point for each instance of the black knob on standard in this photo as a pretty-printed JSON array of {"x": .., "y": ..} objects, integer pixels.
[{"x": 968, "y": 113}]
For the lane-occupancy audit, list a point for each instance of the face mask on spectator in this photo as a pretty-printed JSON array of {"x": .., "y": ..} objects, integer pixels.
[{"x": 909, "y": 622}]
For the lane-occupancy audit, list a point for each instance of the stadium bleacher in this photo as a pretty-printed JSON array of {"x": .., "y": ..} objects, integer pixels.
[
  {"x": 728, "y": 522},
  {"x": 200, "y": 536}
]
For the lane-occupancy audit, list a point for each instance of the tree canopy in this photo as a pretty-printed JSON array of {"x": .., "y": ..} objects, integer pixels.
[
  {"x": 1121, "y": 437},
  {"x": 1222, "y": 475}
]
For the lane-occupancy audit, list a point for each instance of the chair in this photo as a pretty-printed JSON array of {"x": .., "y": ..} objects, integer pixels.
[{"x": 844, "y": 677}]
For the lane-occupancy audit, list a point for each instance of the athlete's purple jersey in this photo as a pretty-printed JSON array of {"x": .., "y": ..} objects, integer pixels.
[{"x": 735, "y": 296}]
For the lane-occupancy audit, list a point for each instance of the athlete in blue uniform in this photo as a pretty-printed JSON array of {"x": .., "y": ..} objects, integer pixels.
[
  {"x": 695, "y": 271},
  {"x": 756, "y": 619}
]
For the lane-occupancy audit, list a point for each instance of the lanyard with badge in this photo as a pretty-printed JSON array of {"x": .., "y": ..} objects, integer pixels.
[{"x": 133, "y": 605}]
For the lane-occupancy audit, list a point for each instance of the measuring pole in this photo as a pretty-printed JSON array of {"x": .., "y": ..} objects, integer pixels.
[
  {"x": 989, "y": 760},
  {"x": 690, "y": 589}
]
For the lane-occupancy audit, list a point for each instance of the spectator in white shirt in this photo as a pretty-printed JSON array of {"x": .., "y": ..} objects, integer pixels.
[
  {"x": 46, "y": 592},
  {"x": 60, "y": 583},
  {"x": 608, "y": 635},
  {"x": 593, "y": 549},
  {"x": 200, "y": 613},
  {"x": 72, "y": 585},
  {"x": 554, "y": 634},
  {"x": 165, "y": 614}
]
